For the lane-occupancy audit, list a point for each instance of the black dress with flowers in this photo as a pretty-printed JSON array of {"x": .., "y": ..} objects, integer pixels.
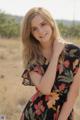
[{"x": 48, "y": 107}]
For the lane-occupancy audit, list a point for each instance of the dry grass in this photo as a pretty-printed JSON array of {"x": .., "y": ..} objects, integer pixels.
[{"x": 13, "y": 95}]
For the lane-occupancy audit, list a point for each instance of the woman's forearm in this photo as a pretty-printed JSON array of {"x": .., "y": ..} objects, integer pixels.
[
  {"x": 67, "y": 108},
  {"x": 71, "y": 98},
  {"x": 48, "y": 78}
]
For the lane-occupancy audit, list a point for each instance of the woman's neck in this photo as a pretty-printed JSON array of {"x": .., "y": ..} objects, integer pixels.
[{"x": 47, "y": 52}]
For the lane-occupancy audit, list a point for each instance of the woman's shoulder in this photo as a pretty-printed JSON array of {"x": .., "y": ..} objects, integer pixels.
[
  {"x": 72, "y": 49},
  {"x": 31, "y": 66},
  {"x": 34, "y": 66},
  {"x": 72, "y": 54},
  {"x": 71, "y": 45}
]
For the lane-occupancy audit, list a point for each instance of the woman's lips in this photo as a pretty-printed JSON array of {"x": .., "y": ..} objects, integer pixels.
[{"x": 43, "y": 35}]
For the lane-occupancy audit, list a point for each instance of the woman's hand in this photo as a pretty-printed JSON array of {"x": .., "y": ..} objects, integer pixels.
[{"x": 58, "y": 46}]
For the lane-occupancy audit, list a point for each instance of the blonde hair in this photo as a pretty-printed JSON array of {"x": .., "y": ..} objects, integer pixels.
[{"x": 31, "y": 46}]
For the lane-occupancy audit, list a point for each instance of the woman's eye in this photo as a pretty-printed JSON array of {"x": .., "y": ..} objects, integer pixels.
[
  {"x": 34, "y": 29},
  {"x": 43, "y": 24}
]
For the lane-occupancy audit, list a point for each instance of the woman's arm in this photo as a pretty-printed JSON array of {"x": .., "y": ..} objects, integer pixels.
[
  {"x": 72, "y": 95},
  {"x": 47, "y": 80}
]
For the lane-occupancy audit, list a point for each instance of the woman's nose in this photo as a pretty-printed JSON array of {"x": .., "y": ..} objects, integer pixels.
[{"x": 40, "y": 30}]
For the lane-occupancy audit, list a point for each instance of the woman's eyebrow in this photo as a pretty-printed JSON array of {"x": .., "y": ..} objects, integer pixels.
[{"x": 43, "y": 21}]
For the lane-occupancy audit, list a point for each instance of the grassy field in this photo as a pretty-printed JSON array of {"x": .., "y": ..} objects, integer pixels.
[{"x": 13, "y": 95}]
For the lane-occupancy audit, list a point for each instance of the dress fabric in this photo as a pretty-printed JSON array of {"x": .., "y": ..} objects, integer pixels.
[{"x": 48, "y": 107}]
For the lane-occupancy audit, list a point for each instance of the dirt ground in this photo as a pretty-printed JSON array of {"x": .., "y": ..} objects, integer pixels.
[{"x": 13, "y": 95}]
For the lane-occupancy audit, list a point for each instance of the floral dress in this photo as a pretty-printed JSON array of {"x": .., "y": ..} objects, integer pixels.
[{"x": 48, "y": 107}]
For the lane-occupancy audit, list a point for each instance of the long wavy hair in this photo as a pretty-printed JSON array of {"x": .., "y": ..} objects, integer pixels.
[{"x": 31, "y": 46}]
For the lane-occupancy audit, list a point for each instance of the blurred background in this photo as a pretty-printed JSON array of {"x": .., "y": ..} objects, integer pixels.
[{"x": 13, "y": 95}]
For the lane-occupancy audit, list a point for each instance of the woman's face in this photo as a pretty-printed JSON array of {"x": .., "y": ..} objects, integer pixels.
[{"x": 41, "y": 29}]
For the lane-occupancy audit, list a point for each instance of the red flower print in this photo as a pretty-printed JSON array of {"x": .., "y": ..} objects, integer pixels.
[
  {"x": 56, "y": 114},
  {"x": 60, "y": 68},
  {"x": 66, "y": 63},
  {"x": 39, "y": 107},
  {"x": 61, "y": 87},
  {"x": 76, "y": 70},
  {"x": 48, "y": 97},
  {"x": 34, "y": 97},
  {"x": 38, "y": 69}
]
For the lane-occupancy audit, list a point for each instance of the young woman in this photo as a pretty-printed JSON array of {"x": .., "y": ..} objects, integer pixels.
[{"x": 51, "y": 65}]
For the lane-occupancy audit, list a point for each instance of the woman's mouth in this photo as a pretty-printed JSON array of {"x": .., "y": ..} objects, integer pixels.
[{"x": 43, "y": 36}]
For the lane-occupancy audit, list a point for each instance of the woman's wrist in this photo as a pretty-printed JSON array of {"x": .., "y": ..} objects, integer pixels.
[{"x": 55, "y": 56}]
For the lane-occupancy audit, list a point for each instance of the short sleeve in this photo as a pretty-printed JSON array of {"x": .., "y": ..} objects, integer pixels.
[
  {"x": 26, "y": 73},
  {"x": 76, "y": 60}
]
